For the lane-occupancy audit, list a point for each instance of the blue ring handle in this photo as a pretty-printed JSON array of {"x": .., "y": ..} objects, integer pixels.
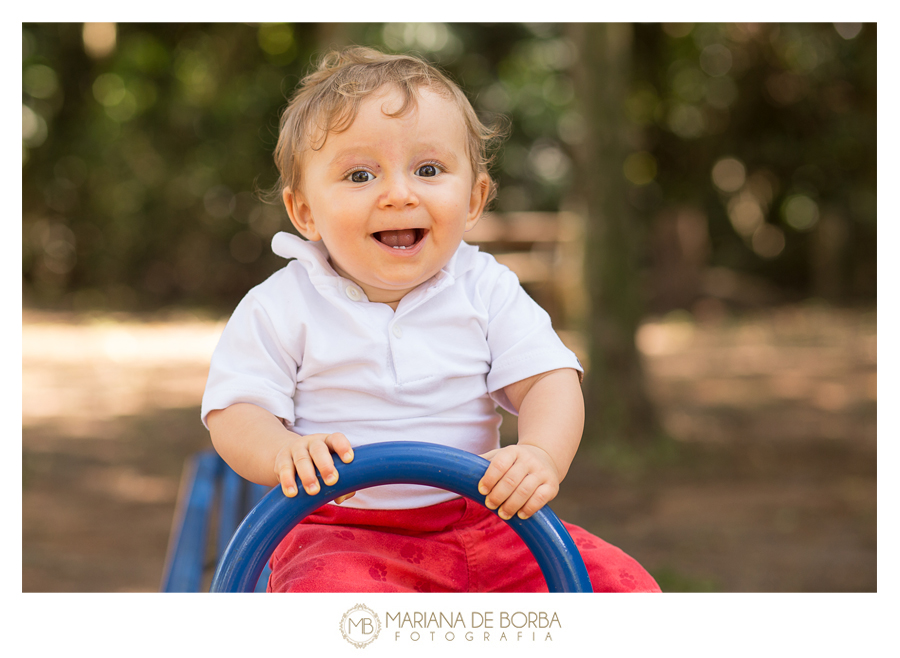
[{"x": 394, "y": 462}]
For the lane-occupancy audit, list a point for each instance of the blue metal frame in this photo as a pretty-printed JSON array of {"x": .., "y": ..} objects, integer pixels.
[
  {"x": 211, "y": 495},
  {"x": 187, "y": 545},
  {"x": 392, "y": 463}
]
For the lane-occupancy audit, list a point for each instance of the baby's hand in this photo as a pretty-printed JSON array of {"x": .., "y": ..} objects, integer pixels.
[
  {"x": 520, "y": 480},
  {"x": 301, "y": 456}
]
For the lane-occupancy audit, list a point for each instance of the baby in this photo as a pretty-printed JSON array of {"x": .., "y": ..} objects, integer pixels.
[{"x": 386, "y": 326}]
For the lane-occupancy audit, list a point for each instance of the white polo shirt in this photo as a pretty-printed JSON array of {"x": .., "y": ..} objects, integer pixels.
[{"x": 308, "y": 346}]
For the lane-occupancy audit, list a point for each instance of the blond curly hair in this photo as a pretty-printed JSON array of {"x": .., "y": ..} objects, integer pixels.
[{"x": 328, "y": 100}]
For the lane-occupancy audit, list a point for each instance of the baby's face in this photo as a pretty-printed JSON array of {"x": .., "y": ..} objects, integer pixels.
[{"x": 390, "y": 197}]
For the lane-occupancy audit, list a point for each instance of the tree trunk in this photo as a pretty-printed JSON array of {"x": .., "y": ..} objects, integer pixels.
[{"x": 618, "y": 407}]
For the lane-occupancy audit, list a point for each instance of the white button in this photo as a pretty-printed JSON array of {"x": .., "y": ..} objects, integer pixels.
[
  {"x": 353, "y": 293},
  {"x": 397, "y": 331}
]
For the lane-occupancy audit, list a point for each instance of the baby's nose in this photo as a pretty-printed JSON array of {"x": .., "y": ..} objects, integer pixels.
[{"x": 398, "y": 193}]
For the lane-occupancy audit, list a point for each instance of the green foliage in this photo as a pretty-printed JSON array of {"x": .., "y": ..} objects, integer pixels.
[
  {"x": 143, "y": 151},
  {"x": 768, "y": 133},
  {"x": 141, "y": 165}
]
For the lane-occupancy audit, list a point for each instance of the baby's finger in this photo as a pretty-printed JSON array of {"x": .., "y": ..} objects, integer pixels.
[
  {"x": 518, "y": 498},
  {"x": 306, "y": 471},
  {"x": 321, "y": 457},
  {"x": 340, "y": 444},
  {"x": 505, "y": 488},
  {"x": 541, "y": 496},
  {"x": 501, "y": 462},
  {"x": 284, "y": 470}
]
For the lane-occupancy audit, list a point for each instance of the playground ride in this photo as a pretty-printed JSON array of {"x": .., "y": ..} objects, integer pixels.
[{"x": 242, "y": 559}]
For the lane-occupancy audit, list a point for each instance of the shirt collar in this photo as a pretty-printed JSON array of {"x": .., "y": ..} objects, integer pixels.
[{"x": 312, "y": 255}]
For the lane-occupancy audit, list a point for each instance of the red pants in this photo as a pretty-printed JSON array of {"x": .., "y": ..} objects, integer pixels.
[{"x": 457, "y": 546}]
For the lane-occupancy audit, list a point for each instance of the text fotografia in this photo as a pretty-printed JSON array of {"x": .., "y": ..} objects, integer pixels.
[{"x": 478, "y": 626}]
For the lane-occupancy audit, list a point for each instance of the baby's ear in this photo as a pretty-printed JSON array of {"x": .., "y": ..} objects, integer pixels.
[
  {"x": 480, "y": 191},
  {"x": 301, "y": 214}
]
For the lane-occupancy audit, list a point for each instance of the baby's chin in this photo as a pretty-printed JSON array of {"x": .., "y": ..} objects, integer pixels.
[
  {"x": 394, "y": 288},
  {"x": 392, "y": 284},
  {"x": 397, "y": 289}
]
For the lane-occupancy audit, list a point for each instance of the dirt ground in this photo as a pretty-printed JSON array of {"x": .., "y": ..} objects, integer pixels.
[{"x": 769, "y": 483}]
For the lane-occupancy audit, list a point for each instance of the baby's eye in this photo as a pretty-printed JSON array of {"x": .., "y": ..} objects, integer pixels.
[
  {"x": 427, "y": 171},
  {"x": 360, "y": 176}
]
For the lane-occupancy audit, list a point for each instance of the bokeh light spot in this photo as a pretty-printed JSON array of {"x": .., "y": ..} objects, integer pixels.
[
  {"x": 729, "y": 174},
  {"x": 39, "y": 81},
  {"x": 716, "y": 60},
  {"x": 109, "y": 89},
  {"x": 677, "y": 30},
  {"x": 640, "y": 168},
  {"x": 721, "y": 92},
  {"x": 768, "y": 241},
  {"x": 641, "y": 104},
  {"x": 800, "y": 212},
  {"x": 432, "y": 37},
  {"x": 549, "y": 162},
  {"x": 689, "y": 84},
  {"x": 34, "y": 128},
  {"x": 848, "y": 30},
  {"x": 745, "y": 214},
  {"x": 686, "y": 121},
  {"x": 99, "y": 39},
  {"x": 275, "y": 38}
]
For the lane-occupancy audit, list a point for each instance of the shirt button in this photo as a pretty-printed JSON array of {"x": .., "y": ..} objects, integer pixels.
[
  {"x": 353, "y": 293},
  {"x": 397, "y": 331}
]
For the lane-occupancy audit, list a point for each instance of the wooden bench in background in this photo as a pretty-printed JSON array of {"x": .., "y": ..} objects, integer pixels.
[{"x": 546, "y": 251}]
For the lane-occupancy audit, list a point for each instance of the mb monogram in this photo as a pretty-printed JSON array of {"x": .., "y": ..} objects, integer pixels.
[{"x": 360, "y": 626}]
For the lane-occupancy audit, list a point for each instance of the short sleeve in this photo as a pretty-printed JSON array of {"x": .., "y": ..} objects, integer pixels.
[
  {"x": 251, "y": 364},
  {"x": 521, "y": 339}
]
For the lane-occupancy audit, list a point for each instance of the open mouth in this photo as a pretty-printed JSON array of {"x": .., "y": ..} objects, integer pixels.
[{"x": 405, "y": 238}]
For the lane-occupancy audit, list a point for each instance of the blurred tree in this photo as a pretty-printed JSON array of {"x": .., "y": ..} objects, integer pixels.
[{"x": 614, "y": 389}]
